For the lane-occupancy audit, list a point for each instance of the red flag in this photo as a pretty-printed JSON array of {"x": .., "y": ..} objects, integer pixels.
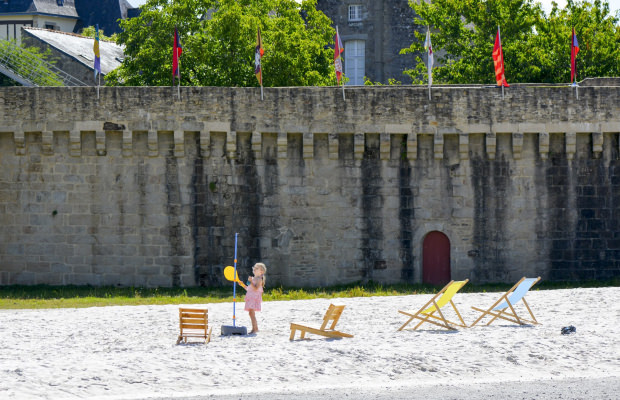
[
  {"x": 574, "y": 49},
  {"x": 498, "y": 60},
  {"x": 338, "y": 50},
  {"x": 258, "y": 55},
  {"x": 176, "y": 53}
]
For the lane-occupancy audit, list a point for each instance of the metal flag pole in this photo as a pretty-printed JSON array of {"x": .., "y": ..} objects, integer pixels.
[
  {"x": 341, "y": 72},
  {"x": 173, "y": 57},
  {"x": 576, "y": 88},
  {"x": 573, "y": 62},
  {"x": 172, "y": 87},
  {"x": 234, "y": 329},
  {"x": 502, "y": 52},
  {"x": 429, "y": 51},
  {"x": 179, "y": 84},
  {"x": 429, "y": 91},
  {"x": 177, "y": 40},
  {"x": 235, "y": 283}
]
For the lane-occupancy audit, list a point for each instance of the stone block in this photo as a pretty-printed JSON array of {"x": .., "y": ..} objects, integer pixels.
[
  {"x": 597, "y": 142},
  {"x": 438, "y": 143},
  {"x": 19, "y": 138},
  {"x": 571, "y": 144},
  {"x": 491, "y": 145}
]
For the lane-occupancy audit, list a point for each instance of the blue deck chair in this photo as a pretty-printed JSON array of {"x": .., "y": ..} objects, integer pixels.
[
  {"x": 504, "y": 308},
  {"x": 431, "y": 311}
]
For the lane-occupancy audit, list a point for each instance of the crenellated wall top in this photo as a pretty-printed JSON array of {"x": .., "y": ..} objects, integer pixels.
[{"x": 376, "y": 109}]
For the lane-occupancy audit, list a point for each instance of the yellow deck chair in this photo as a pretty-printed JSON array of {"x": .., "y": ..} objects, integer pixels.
[
  {"x": 194, "y": 323},
  {"x": 504, "y": 308},
  {"x": 333, "y": 314},
  {"x": 431, "y": 311}
]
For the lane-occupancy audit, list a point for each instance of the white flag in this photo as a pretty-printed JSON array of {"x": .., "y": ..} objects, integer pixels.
[{"x": 429, "y": 63}]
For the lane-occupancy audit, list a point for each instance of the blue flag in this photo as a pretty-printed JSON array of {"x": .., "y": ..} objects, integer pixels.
[{"x": 97, "y": 66}]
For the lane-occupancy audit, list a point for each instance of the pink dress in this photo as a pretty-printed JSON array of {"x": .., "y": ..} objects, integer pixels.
[{"x": 254, "y": 297}]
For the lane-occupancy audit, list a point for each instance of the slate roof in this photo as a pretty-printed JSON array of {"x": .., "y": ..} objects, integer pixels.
[
  {"x": 81, "y": 47},
  {"x": 106, "y": 13},
  {"x": 49, "y": 7}
]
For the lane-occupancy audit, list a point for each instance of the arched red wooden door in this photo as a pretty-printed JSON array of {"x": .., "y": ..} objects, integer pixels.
[{"x": 436, "y": 259}]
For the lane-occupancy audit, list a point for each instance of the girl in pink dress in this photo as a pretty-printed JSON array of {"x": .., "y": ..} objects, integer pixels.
[{"x": 254, "y": 295}]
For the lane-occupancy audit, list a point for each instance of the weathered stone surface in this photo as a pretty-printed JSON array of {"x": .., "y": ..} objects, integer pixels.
[
  {"x": 322, "y": 190},
  {"x": 385, "y": 27}
]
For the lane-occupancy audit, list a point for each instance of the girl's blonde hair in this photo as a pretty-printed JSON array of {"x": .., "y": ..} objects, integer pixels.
[{"x": 264, "y": 268}]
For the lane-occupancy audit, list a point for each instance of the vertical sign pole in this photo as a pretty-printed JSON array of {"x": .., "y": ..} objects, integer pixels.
[{"x": 235, "y": 283}]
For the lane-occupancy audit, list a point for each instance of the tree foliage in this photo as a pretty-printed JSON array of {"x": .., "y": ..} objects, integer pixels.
[
  {"x": 30, "y": 63},
  {"x": 89, "y": 31},
  {"x": 536, "y": 46},
  {"x": 219, "y": 38}
]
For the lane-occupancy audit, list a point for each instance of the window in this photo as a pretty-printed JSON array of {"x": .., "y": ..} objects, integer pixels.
[
  {"x": 355, "y": 12},
  {"x": 50, "y": 27},
  {"x": 60, "y": 2},
  {"x": 354, "y": 59}
]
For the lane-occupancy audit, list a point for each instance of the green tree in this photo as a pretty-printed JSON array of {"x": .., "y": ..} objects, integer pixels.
[
  {"x": 89, "y": 31},
  {"x": 598, "y": 34},
  {"x": 536, "y": 47},
  {"x": 219, "y": 38},
  {"x": 28, "y": 62}
]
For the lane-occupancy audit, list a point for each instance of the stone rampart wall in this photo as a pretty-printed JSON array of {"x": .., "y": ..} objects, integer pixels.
[{"x": 139, "y": 187}]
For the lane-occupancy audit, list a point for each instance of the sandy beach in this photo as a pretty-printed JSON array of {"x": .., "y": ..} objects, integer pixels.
[{"x": 130, "y": 352}]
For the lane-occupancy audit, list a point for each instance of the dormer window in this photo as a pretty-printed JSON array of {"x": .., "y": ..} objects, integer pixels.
[
  {"x": 60, "y": 2},
  {"x": 355, "y": 12}
]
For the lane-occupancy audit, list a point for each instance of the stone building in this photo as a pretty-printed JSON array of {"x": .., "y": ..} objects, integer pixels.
[
  {"x": 373, "y": 33},
  {"x": 49, "y": 14},
  {"x": 141, "y": 187},
  {"x": 106, "y": 13},
  {"x": 61, "y": 15}
]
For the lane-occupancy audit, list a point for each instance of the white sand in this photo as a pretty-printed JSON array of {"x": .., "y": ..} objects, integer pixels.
[{"x": 130, "y": 352}]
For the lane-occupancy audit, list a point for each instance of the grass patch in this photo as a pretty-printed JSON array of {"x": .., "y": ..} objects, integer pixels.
[{"x": 44, "y": 296}]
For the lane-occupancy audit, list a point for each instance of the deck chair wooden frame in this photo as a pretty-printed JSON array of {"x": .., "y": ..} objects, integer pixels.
[
  {"x": 333, "y": 314},
  {"x": 194, "y": 323},
  {"x": 431, "y": 311},
  {"x": 504, "y": 307}
]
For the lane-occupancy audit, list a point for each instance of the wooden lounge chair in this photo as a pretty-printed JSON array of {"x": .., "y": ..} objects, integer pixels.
[
  {"x": 504, "y": 308},
  {"x": 333, "y": 314},
  {"x": 194, "y": 323},
  {"x": 431, "y": 311}
]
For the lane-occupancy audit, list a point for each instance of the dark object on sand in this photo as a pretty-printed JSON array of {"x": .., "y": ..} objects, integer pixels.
[{"x": 567, "y": 330}]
